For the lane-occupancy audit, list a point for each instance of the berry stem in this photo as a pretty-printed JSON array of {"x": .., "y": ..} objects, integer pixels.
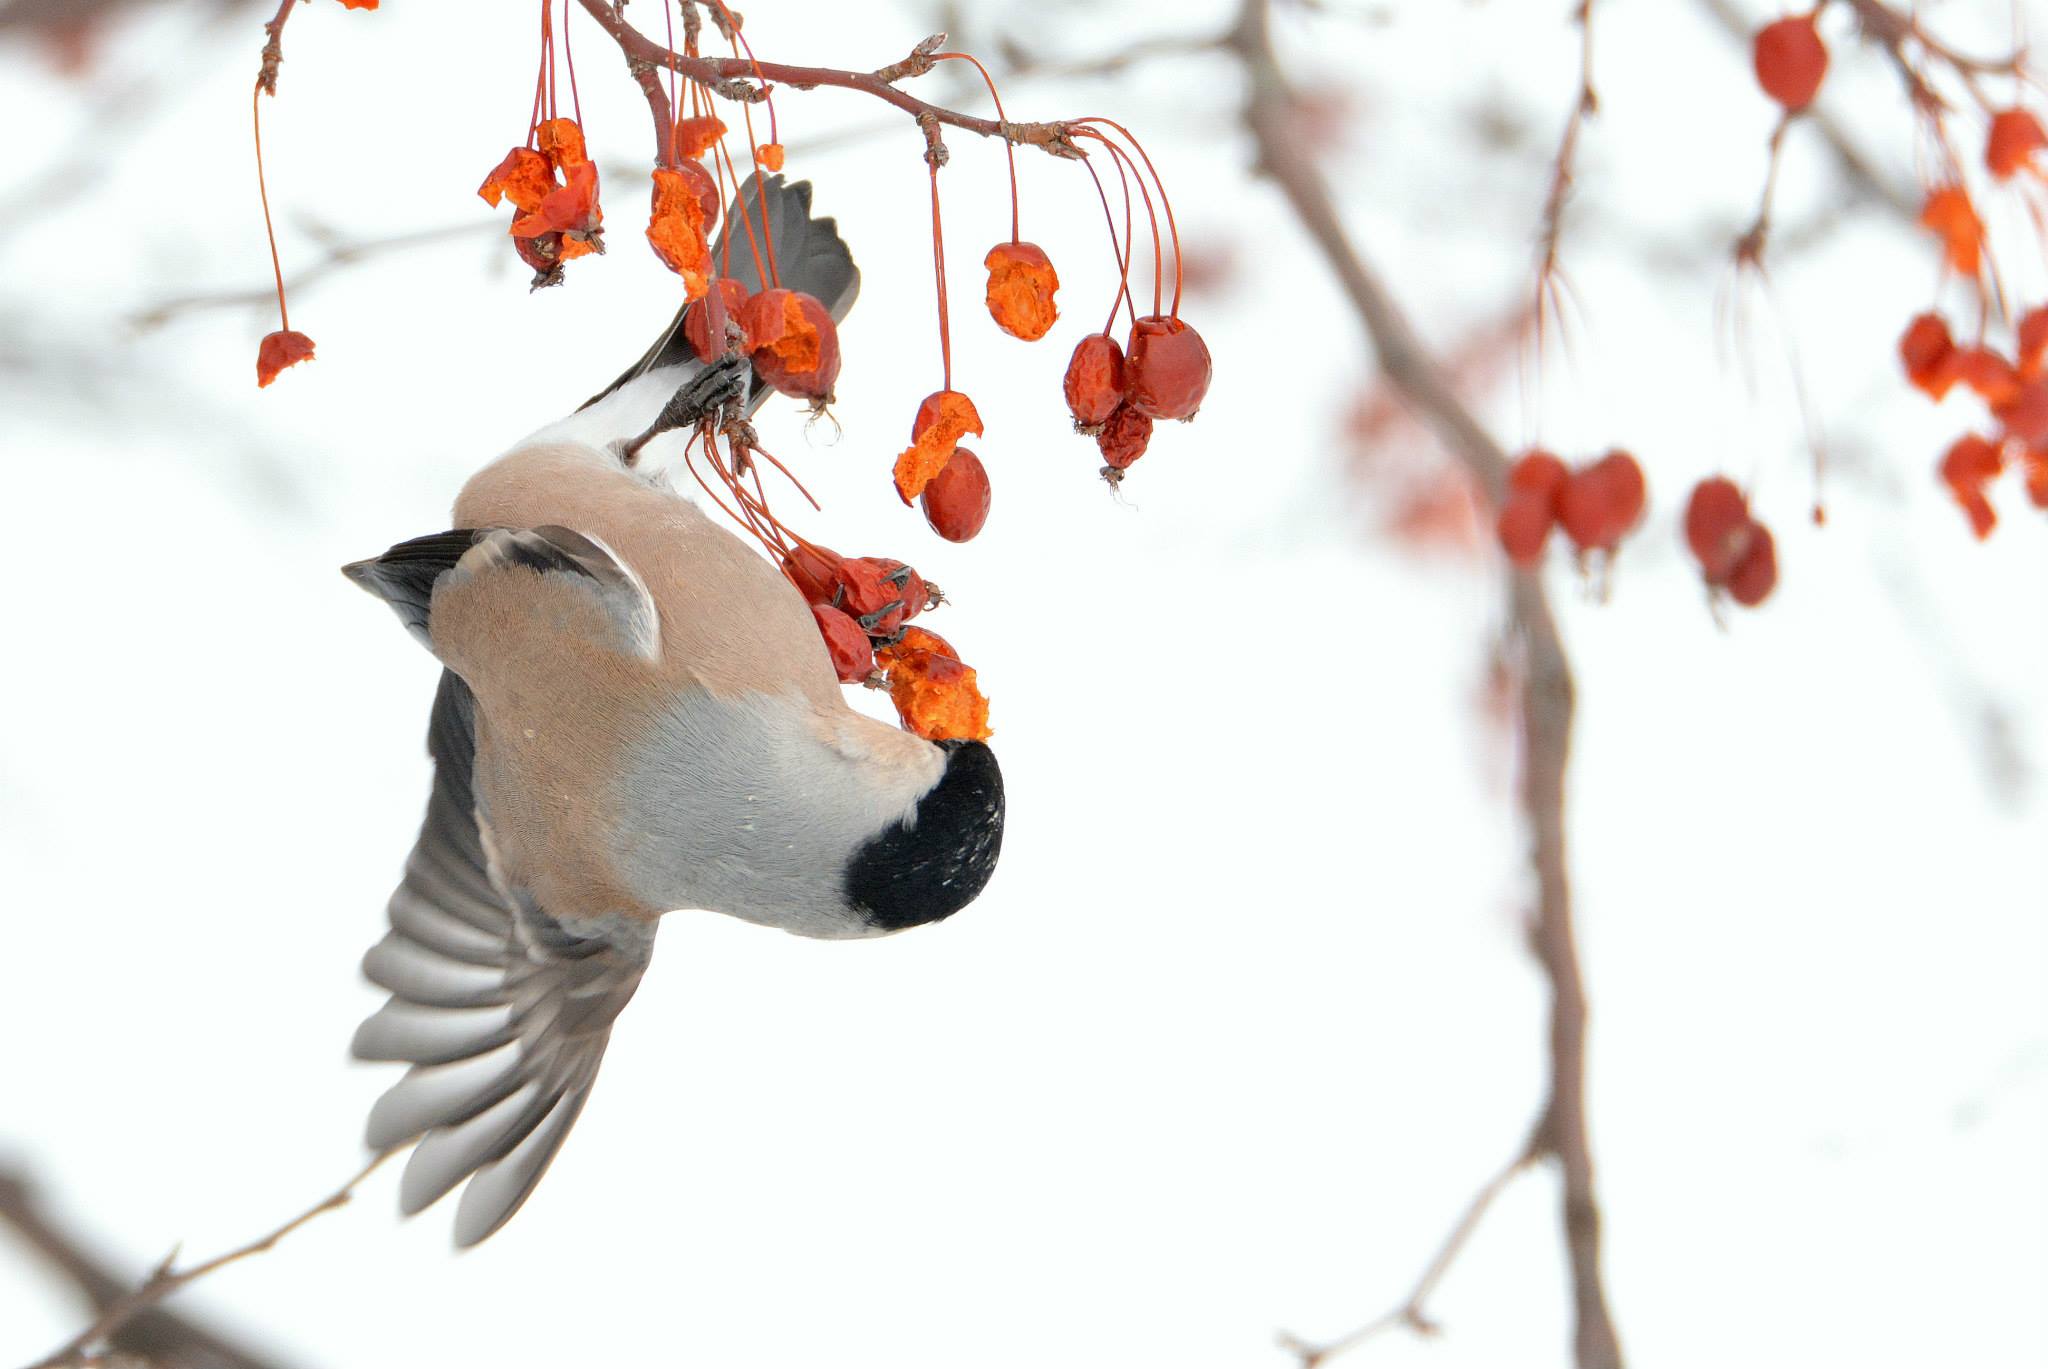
[
  {"x": 935, "y": 157},
  {"x": 1009, "y": 148},
  {"x": 1172, "y": 227},
  {"x": 569, "y": 59},
  {"x": 1121, "y": 252},
  {"x": 263, "y": 192}
]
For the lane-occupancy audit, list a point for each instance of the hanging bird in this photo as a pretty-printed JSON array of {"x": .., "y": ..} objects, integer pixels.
[{"x": 637, "y": 715}]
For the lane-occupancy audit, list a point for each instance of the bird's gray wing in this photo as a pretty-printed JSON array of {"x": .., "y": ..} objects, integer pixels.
[
  {"x": 501, "y": 1008},
  {"x": 809, "y": 256}
]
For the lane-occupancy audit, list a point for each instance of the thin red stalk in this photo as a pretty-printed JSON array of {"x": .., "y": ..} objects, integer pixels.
[
  {"x": 263, "y": 192},
  {"x": 569, "y": 58},
  {"x": 763, "y": 271},
  {"x": 939, "y": 275},
  {"x": 739, "y": 41},
  {"x": 703, "y": 484},
  {"x": 1123, "y": 253},
  {"x": 786, "y": 474},
  {"x": 1172, "y": 227},
  {"x": 1158, "y": 250},
  {"x": 547, "y": 43},
  {"x": 1009, "y": 148}
]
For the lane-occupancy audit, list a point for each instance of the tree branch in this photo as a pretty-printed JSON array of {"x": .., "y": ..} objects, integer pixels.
[
  {"x": 117, "y": 1312},
  {"x": 735, "y": 77},
  {"x": 162, "y": 1339},
  {"x": 1547, "y": 698}
]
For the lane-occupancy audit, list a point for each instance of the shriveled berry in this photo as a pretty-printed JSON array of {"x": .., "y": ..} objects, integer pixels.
[
  {"x": 1791, "y": 60},
  {"x": 812, "y": 568},
  {"x": 879, "y": 593},
  {"x": 943, "y": 418},
  {"x": 1598, "y": 504},
  {"x": 1166, "y": 368},
  {"x": 1095, "y": 381},
  {"x": 1524, "y": 526},
  {"x": 957, "y": 499},
  {"x": 1124, "y": 437},
  {"x": 853, "y": 656},
  {"x": 1021, "y": 286},
  {"x": 699, "y": 327},
  {"x": 1753, "y": 578},
  {"x": 2015, "y": 137},
  {"x": 793, "y": 342}
]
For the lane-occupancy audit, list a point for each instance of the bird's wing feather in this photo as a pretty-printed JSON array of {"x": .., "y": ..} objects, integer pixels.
[
  {"x": 502, "y": 1008},
  {"x": 809, "y": 256},
  {"x": 407, "y": 576}
]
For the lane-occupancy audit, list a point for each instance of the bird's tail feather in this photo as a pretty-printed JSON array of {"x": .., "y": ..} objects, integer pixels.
[{"x": 767, "y": 217}]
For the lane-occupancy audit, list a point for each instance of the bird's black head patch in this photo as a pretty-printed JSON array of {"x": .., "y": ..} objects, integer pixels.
[{"x": 935, "y": 865}]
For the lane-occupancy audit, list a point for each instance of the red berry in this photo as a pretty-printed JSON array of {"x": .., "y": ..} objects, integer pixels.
[
  {"x": 793, "y": 342},
  {"x": 1538, "y": 473},
  {"x": 1601, "y": 502},
  {"x": 2033, "y": 341},
  {"x": 1994, "y": 378},
  {"x": 1123, "y": 439},
  {"x": 1718, "y": 527},
  {"x": 1756, "y": 574},
  {"x": 730, "y": 299},
  {"x": 2016, "y": 135},
  {"x": 853, "y": 656},
  {"x": 879, "y": 593},
  {"x": 1966, "y": 468},
  {"x": 1021, "y": 286},
  {"x": 1929, "y": 354},
  {"x": 1791, "y": 60},
  {"x": 1095, "y": 381},
  {"x": 2025, "y": 415},
  {"x": 1524, "y": 526},
  {"x": 811, "y": 569},
  {"x": 956, "y": 501},
  {"x": 1166, "y": 368}
]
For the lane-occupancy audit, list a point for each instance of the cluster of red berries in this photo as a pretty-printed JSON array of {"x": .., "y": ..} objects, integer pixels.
[
  {"x": 1115, "y": 393},
  {"x": 1600, "y": 502},
  {"x": 863, "y": 606},
  {"x": 1596, "y": 504},
  {"x": 2014, "y": 391},
  {"x": 1736, "y": 553}
]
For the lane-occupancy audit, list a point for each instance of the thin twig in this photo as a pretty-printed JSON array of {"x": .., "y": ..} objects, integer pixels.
[
  {"x": 1412, "y": 1312},
  {"x": 168, "y": 1280},
  {"x": 1547, "y": 698},
  {"x": 158, "y": 1338},
  {"x": 338, "y": 255}
]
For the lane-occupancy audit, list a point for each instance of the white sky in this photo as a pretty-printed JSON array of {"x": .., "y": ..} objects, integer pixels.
[{"x": 1244, "y": 1016}]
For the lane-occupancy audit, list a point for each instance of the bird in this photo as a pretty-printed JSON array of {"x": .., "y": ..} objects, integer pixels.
[{"x": 636, "y": 716}]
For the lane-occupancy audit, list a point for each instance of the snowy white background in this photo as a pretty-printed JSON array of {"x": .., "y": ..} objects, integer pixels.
[{"x": 1245, "y": 1015}]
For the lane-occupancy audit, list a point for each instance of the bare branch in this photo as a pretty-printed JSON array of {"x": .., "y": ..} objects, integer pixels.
[
  {"x": 1547, "y": 700},
  {"x": 167, "y": 1279},
  {"x": 1052, "y": 137},
  {"x": 159, "y": 1338},
  {"x": 1411, "y": 1313}
]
